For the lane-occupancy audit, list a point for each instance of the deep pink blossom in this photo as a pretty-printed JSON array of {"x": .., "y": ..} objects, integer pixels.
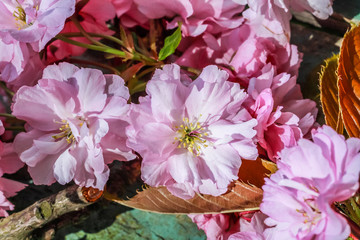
[
  {"x": 92, "y": 17},
  {"x": 34, "y": 22},
  {"x": 191, "y": 135},
  {"x": 9, "y": 163},
  {"x": 217, "y": 226},
  {"x": 299, "y": 197},
  {"x": 76, "y": 121},
  {"x": 248, "y": 55},
  {"x": 231, "y": 226},
  {"x": 197, "y": 16}
]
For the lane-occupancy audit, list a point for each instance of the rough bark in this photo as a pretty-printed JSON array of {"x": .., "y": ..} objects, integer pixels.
[{"x": 20, "y": 225}]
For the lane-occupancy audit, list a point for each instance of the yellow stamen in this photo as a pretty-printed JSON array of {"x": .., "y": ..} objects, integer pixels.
[{"x": 191, "y": 136}]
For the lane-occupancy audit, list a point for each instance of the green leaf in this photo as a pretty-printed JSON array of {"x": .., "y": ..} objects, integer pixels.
[{"x": 171, "y": 43}]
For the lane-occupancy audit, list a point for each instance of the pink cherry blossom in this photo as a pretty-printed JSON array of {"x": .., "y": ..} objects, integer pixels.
[
  {"x": 248, "y": 55},
  {"x": 197, "y": 16},
  {"x": 217, "y": 226},
  {"x": 14, "y": 57},
  {"x": 129, "y": 14},
  {"x": 251, "y": 230},
  {"x": 34, "y": 22},
  {"x": 231, "y": 226},
  {"x": 271, "y": 18},
  {"x": 9, "y": 163},
  {"x": 298, "y": 198},
  {"x": 191, "y": 135},
  {"x": 76, "y": 120},
  {"x": 92, "y": 17}
]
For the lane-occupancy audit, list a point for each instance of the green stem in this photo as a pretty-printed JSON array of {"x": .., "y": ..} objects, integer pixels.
[
  {"x": 353, "y": 210},
  {"x": 84, "y": 33},
  {"x": 92, "y": 47},
  {"x": 15, "y": 128},
  {"x": 8, "y": 115},
  {"x": 77, "y": 34},
  {"x": 6, "y": 89}
]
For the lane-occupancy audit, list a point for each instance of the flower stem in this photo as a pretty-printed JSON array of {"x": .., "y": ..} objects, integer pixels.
[
  {"x": 7, "y": 115},
  {"x": 15, "y": 128},
  {"x": 99, "y": 35},
  {"x": 92, "y": 47},
  {"x": 6, "y": 89}
]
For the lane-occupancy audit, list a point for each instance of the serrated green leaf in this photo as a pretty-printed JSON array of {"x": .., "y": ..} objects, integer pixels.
[{"x": 170, "y": 44}]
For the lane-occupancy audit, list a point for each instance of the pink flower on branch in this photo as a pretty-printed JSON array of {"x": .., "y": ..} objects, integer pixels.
[
  {"x": 299, "y": 197},
  {"x": 191, "y": 135},
  {"x": 76, "y": 125}
]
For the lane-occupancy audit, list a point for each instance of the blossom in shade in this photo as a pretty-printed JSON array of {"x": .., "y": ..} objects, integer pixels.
[
  {"x": 232, "y": 226},
  {"x": 76, "y": 120},
  {"x": 92, "y": 17},
  {"x": 217, "y": 226},
  {"x": 9, "y": 163},
  {"x": 14, "y": 58},
  {"x": 311, "y": 176},
  {"x": 191, "y": 135},
  {"x": 251, "y": 230},
  {"x": 34, "y": 22}
]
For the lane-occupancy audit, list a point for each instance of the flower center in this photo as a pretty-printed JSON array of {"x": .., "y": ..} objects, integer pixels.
[
  {"x": 65, "y": 132},
  {"x": 191, "y": 136},
  {"x": 20, "y": 17},
  {"x": 312, "y": 215}
]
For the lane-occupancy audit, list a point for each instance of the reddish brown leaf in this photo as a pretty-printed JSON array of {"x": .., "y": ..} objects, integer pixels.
[
  {"x": 241, "y": 197},
  {"x": 329, "y": 94},
  {"x": 349, "y": 81},
  {"x": 130, "y": 72}
]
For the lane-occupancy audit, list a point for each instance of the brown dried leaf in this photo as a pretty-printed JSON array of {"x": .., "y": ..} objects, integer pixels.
[
  {"x": 241, "y": 197},
  {"x": 329, "y": 94},
  {"x": 349, "y": 81}
]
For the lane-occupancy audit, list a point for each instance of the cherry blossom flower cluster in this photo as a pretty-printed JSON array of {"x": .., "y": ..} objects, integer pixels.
[{"x": 192, "y": 132}]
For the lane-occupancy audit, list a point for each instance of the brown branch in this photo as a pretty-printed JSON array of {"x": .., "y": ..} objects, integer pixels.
[{"x": 20, "y": 225}]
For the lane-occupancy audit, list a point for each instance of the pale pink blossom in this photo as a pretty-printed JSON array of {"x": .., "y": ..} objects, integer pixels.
[
  {"x": 34, "y": 21},
  {"x": 271, "y": 18},
  {"x": 199, "y": 127},
  {"x": 311, "y": 176},
  {"x": 92, "y": 17},
  {"x": 9, "y": 163},
  {"x": 30, "y": 75},
  {"x": 15, "y": 55},
  {"x": 76, "y": 120}
]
